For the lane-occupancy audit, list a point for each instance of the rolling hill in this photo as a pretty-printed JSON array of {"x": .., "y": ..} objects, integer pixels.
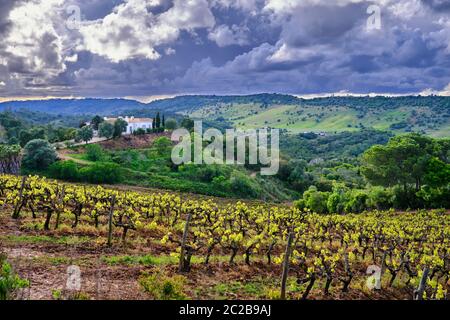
[{"x": 430, "y": 114}]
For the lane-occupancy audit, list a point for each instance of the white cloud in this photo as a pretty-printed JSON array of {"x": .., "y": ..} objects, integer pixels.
[
  {"x": 288, "y": 54},
  {"x": 444, "y": 92},
  {"x": 133, "y": 31},
  {"x": 224, "y": 36},
  {"x": 35, "y": 45},
  {"x": 246, "y": 5}
]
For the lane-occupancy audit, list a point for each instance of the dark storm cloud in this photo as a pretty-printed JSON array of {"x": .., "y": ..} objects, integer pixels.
[
  {"x": 143, "y": 47},
  {"x": 322, "y": 24},
  {"x": 438, "y": 5},
  {"x": 5, "y": 8}
]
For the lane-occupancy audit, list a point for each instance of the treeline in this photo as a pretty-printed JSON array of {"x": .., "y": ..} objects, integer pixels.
[
  {"x": 381, "y": 102},
  {"x": 409, "y": 172},
  {"x": 344, "y": 145},
  {"x": 19, "y": 131}
]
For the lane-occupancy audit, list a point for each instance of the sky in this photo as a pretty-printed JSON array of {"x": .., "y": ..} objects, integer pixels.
[{"x": 161, "y": 48}]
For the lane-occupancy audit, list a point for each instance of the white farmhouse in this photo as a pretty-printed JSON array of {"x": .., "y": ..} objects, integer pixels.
[{"x": 134, "y": 123}]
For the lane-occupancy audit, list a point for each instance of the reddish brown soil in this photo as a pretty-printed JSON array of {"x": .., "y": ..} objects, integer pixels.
[
  {"x": 38, "y": 262},
  {"x": 133, "y": 142}
]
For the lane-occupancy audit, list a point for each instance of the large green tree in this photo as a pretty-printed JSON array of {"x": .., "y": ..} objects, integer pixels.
[
  {"x": 403, "y": 161},
  {"x": 38, "y": 154},
  {"x": 120, "y": 126},
  {"x": 106, "y": 130},
  {"x": 171, "y": 124},
  {"x": 96, "y": 121},
  {"x": 85, "y": 134}
]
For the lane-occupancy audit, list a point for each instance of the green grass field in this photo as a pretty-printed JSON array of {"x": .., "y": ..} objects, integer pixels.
[{"x": 301, "y": 118}]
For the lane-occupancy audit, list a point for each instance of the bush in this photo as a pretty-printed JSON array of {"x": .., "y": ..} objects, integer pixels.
[
  {"x": 9, "y": 282},
  {"x": 102, "y": 172},
  {"x": 139, "y": 132},
  {"x": 163, "y": 287},
  {"x": 94, "y": 152},
  {"x": 380, "y": 198},
  {"x": 337, "y": 199},
  {"x": 162, "y": 145},
  {"x": 65, "y": 170},
  {"x": 356, "y": 201},
  {"x": 435, "y": 197},
  {"x": 314, "y": 200},
  {"x": 243, "y": 186},
  {"x": 39, "y": 154}
]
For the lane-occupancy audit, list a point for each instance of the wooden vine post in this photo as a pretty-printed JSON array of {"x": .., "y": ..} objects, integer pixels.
[
  {"x": 418, "y": 294},
  {"x": 183, "y": 267},
  {"x": 287, "y": 257},
  {"x": 110, "y": 221}
]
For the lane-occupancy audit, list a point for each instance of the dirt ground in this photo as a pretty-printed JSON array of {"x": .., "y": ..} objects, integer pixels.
[{"x": 43, "y": 258}]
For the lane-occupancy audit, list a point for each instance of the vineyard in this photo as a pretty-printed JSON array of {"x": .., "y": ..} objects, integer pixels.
[{"x": 202, "y": 246}]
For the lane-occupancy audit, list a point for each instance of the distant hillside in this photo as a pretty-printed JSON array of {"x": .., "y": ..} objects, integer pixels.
[
  {"x": 430, "y": 115},
  {"x": 73, "y": 106},
  {"x": 188, "y": 104}
]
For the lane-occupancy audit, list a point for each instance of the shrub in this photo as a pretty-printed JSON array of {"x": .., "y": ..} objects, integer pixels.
[
  {"x": 9, "y": 282},
  {"x": 39, "y": 154},
  {"x": 65, "y": 170},
  {"x": 337, "y": 199},
  {"x": 162, "y": 145},
  {"x": 356, "y": 201},
  {"x": 314, "y": 200},
  {"x": 139, "y": 132},
  {"x": 380, "y": 198},
  {"x": 102, "y": 172},
  {"x": 94, "y": 152},
  {"x": 163, "y": 287},
  {"x": 243, "y": 186},
  {"x": 435, "y": 197}
]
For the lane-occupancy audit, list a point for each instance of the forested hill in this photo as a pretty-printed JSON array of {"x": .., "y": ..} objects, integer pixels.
[
  {"x": 194, "y": 102},
  {"x": 111, "y": 106},
  {"x": 73, "y": 106},
  {"x": 425, "y": 114}
]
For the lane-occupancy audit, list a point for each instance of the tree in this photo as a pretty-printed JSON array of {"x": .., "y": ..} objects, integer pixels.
[
  {"x": 403, "y": 161},
  {"x": 96, "y": 121},
  {"x": 120, "y": 126},
  {"x": 85, "y": 134},
  {"x": 437, "y": 173},
  {"x": 187, "y": 124},
  {"x": 171, "y": 124},
  {"x": 157, "y": 121},
  {"x": 163, "y": 121},
  {"x": 26, "y": 136},
  {"x": 106, "y": 130},
  {"x": 38, "y": 154}
]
